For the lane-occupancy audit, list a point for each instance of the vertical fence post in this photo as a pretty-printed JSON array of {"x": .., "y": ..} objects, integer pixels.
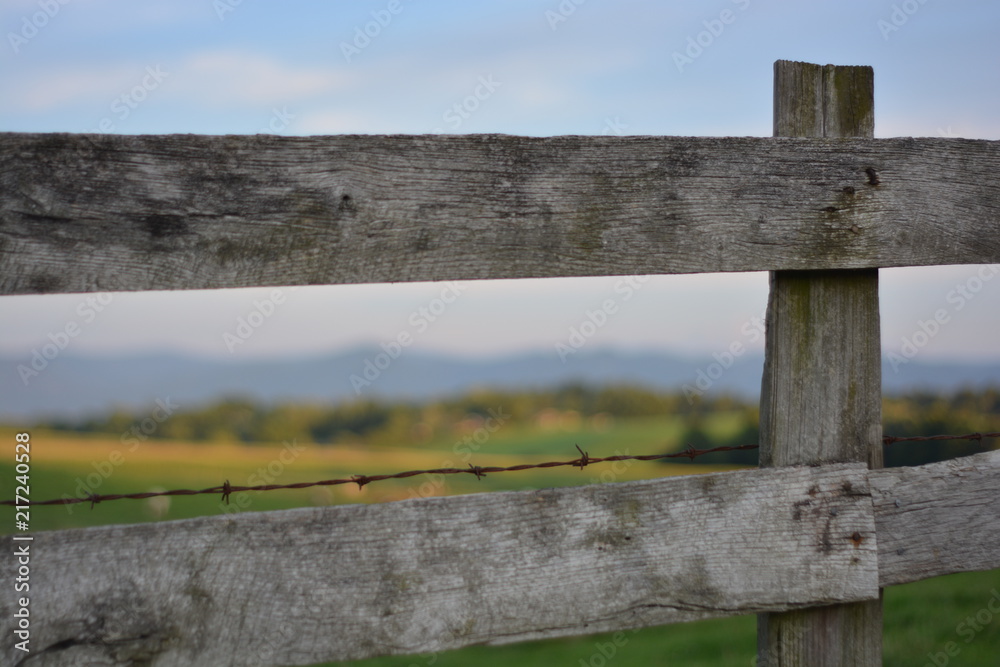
[{"x": 821, "y": 391}]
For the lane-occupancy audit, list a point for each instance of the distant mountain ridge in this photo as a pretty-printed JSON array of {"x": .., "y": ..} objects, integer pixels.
[{"x": 72, "y": 386}]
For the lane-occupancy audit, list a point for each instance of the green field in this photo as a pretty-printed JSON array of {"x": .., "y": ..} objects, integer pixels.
[{"x": 920, "y": 618}]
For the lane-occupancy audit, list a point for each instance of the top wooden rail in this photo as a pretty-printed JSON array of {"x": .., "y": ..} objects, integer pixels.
[{"x": 83, "y": 213}]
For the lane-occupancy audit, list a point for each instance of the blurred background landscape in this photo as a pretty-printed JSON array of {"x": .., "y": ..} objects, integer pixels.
[
  {"x": 248, "y": 441},
  {"x": 125, "y": 392}
]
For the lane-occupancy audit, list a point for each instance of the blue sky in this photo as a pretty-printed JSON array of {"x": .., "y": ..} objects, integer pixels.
[{"x": 518, "y": 67}]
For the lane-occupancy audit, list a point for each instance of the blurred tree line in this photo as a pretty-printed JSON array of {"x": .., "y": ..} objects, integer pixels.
[
  {"x": 375, "y": 422},
  {"x": 924, "y": 413},
  {"x": 913, "y": 414},
  {"x": 402, "y": 423}
]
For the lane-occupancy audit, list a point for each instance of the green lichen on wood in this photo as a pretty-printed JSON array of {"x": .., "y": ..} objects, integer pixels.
[
  {"x": 628, "y": 512},
  {"x": 797, "y": 295},
  {"x": 394, "y": 583},
  {"x": 465, "y": 629},
  {"x": 823, "y": 100},
  {"x": 588, "y": 234},
  {"x": 596, "y": 212},
  {"x": 849, "y": 92}
]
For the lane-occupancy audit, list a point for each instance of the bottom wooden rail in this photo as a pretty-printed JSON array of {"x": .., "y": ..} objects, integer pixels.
[{"x": 307, "y": 585}]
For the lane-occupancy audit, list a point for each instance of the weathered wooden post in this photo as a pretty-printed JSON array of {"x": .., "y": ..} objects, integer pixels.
[{"x": 821, "y": 391}]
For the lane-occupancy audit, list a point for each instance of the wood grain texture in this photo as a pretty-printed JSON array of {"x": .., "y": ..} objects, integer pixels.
[
  {"x": 823, "y": 100},
  {"x": 308, "y": 585},
  {"x": 937, "y": 519},
  {"x": 821, "y": 392},
  {"x": 82, "y": 213},
  {"x": 822, "y": 384}
]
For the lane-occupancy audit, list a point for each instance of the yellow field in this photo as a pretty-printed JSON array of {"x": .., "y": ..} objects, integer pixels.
[{"x": 105, "y": 465}]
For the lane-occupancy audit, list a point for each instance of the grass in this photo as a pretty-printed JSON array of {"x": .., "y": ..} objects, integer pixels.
[
  {"x": 639, "y": 435},
  {"x": 919, "y": 622},
  {"x": 69, "y": 465}
]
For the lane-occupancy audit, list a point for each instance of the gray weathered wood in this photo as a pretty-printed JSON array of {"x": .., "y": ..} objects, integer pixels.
[
  {"x": 307, "y": 585},
  {"x": 821, "y": 390},
  {"x": 822, "y": 385},
  {"x": 937, "y": 519},
  {"x": 823, "y": 100},
  {"x": 94, "y": 212}
]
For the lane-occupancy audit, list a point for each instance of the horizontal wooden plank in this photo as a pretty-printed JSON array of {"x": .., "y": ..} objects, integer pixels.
[
  {"x": 82, "y": 213},
  {"x": 937, "y": 519},
  {"x": 307, "y": 585}
]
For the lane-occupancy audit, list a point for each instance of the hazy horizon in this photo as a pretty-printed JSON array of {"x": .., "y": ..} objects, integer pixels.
[
  {"x": 74, "y": 385},
  {"x": 519, "y": 67},
  {"x": 291, "y": 356}
]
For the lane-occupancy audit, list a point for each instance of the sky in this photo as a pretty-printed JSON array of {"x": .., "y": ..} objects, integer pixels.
[{"x": 536, "y": 68}]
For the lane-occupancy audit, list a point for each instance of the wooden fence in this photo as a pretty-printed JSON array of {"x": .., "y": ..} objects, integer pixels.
[{"x": 807, "y": 541}]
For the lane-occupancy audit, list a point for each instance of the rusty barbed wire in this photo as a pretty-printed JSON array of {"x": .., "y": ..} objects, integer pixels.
[
  {"x": 226, "y": 489},
  {"x": 890, "y": 439}
]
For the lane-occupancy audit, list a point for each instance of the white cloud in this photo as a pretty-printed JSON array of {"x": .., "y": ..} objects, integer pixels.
[
  {"x": 217, "y": 78},
  {"x": 536, "y": 74},
  {"x": 536, "y": 92},
  {"x": 235, "y": 78},
  {"x": 53, "y": 90},
  {"x": 924, "y": 126},
  {"x": 337, "y": 122}
]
